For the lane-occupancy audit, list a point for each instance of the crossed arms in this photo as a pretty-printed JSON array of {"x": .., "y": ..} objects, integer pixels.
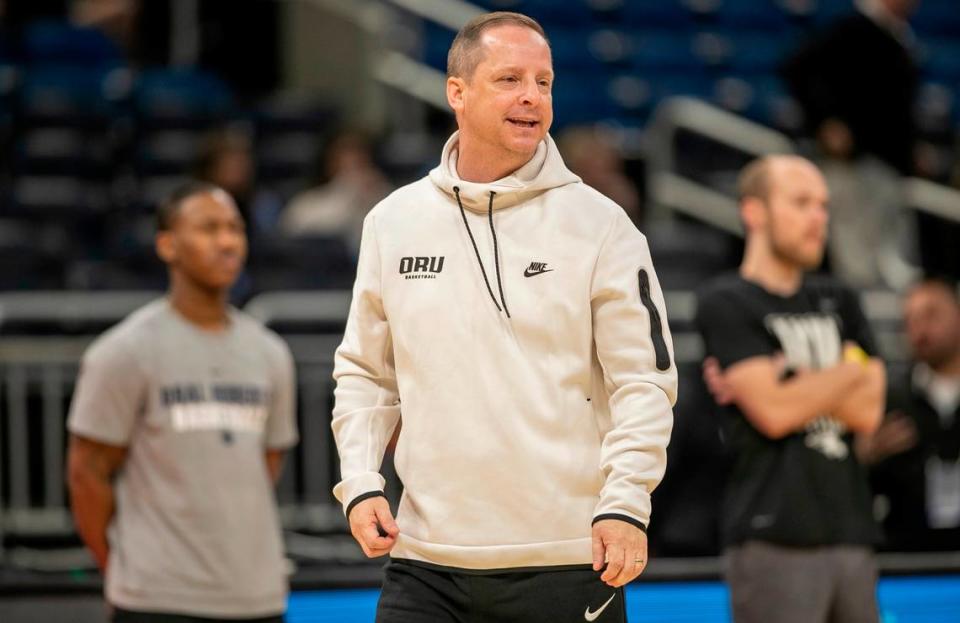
[{"x": 850, "y": 391}]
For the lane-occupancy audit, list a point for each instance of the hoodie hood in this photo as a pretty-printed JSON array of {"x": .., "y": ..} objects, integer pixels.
[{"x": 543, "y": 172}]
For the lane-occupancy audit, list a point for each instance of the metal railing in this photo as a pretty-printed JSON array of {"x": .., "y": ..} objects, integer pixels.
[
  {"x": 673, "y": 192},
  {"x": 38, "y": 371}
]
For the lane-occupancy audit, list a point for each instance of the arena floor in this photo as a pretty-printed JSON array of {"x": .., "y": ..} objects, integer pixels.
[{"x": 916, "y": 599}]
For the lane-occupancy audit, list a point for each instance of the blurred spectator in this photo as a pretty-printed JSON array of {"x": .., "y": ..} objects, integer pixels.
[
  {"x": 868, "y": 231},
  {"x": 856, "y": 84},
  {"x": 225, "y": 159},
  {"x": 347, "y": 185},
  {"x": 915, "y": 454},
  {"x": 117, "y": 18},
  {"x": 591, "y": 154}
]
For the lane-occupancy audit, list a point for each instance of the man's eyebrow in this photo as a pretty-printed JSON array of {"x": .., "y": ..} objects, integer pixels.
[{"x": 519, "y": 68}]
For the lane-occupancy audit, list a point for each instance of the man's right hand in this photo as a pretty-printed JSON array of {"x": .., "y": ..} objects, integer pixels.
[
  {"x": 373, "y": 526},
  {"x": 896, "y": 435}
]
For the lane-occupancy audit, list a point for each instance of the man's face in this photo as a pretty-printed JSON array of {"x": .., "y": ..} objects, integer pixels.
[
  {"x": 207, "y": 242},
  {"x": 797, "y": 214},
  {"x": 506, "y": 106},
  {"x": 932, "y": 321}
]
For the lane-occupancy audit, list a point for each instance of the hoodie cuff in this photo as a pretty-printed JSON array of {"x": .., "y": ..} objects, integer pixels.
[
  {"x": 636, "y": 523},
  {"x": 361, "y": 498},
  {"x": 348, "y": 490}
]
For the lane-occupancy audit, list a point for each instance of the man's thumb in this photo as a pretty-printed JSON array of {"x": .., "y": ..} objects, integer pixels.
[{"x": 386, "y": 521}]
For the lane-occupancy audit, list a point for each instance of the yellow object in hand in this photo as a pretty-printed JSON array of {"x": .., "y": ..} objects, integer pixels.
[{"x": 856, "y": 354}]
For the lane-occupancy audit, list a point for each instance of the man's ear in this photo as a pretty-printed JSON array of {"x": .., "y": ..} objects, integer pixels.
[
  {"x": 455, "y": 88},
  {"x": 166, "y": 250},
  {"x": 753, "y": 212}
]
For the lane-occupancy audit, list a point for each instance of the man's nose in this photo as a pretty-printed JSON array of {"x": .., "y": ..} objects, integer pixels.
[
  {"x": 530, "y": 95},
  {"x": 822, "y": 216}
]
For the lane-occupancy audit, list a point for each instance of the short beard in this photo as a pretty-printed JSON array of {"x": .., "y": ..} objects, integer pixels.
[
  {"x": 784, "y": 255},
  {"x": 941, "y": 357}
]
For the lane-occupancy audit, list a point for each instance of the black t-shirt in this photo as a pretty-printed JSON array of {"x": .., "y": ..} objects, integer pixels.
[
  {"x": 858, "y": 72},
  {"x": 806, "y": 489}
]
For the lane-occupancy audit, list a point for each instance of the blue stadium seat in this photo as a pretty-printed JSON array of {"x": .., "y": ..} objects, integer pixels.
[
  {"x": 712, "y": 48},
  {"x": 734, "y": 93},
  {"x": 58, "y": 42},
  {"x": 760, "y": 97},
  {"x": 669, "y": 84},
  {"x": 757, "y": 52},
  {"x": 181, "y": 97},
  {"x": 669, "y": 14},
  {"x": 166, "y": 152},
  {"x": 940, "y": 58},
  {"x": 63, "y": 92},
  {"x": 611, "y": 46},
  {"x": 572, "y": 49},
  {"x": 936, "y": 106},
  {"x": 436, "y": 44},
  {"x": 62, "y": 151},
  {"x": 58, "y": 196},
  {"x": 582, "y": 98},
  {"x": 548, "y": 12},
  {"x": 757, "y": 14},
  {"x": 634, "y": 95},
  {"x": 937, "y": 17},
  {"x": 660, "y": 51},
  {"x": 829, "y": 11}
]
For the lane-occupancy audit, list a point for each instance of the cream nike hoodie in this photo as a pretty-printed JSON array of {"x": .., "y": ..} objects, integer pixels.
[{"x": 520, "y": 329}]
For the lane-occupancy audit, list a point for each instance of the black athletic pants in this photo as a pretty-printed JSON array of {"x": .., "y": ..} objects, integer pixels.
[
  {"x": 414, "y": 593},
  {"x": 128, "y": 616}
]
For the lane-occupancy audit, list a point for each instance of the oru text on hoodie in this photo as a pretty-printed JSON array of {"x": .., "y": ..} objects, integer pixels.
[{"x": 520, "y": 329}]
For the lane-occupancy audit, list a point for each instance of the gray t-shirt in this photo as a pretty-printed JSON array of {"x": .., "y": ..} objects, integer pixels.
[{"x": 196, "y": 529}]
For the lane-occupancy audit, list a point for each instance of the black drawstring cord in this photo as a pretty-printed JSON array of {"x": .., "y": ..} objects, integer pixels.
[
  {"x": 456, "y": 191},
  {"x": 496, "y": 255}
]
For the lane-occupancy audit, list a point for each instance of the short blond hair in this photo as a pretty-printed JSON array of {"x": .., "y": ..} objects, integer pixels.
[
  {"x": 757, "y": 178},
  {"x": 754, "y": 179},
  {"x": 465, "y": 51}
]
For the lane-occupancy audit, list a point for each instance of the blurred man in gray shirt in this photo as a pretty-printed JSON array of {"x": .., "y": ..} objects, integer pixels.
[{"x": 179, "y": 423}]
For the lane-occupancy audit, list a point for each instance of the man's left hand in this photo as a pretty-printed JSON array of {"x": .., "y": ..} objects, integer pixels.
[{"x": 624, "y": 549}]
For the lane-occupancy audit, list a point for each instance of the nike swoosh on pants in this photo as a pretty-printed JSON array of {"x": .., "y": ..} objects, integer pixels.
[{"x": 592, "y": 616}]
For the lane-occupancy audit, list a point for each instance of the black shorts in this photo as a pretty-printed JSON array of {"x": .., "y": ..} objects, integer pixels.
[
  {"x": 129, "y": 616},
  {"x": 416, "y": 593}
]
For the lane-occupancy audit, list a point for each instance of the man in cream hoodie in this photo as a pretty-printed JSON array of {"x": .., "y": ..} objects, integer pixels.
[{"x": 513, "y": 316}]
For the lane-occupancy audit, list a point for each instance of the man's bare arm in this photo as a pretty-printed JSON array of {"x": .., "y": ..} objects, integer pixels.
[
  {"x": 862, "y": 409},
  {"x": 90, "y": 469},
  {"x": 778, "y": 407},
  {"x": 275, "y": 464}
]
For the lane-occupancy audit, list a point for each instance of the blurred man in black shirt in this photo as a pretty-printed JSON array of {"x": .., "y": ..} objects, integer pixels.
[
  {"x": 796, "y": 522},
  {"x": 857, "y": 83},
  {"x": 915, "y": 454}
]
